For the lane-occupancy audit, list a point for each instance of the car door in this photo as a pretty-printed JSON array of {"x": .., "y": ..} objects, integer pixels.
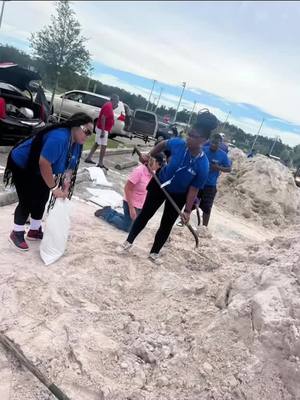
[
  {"x": 93, "y": 105},
  {"x": 72, "y": 103}
]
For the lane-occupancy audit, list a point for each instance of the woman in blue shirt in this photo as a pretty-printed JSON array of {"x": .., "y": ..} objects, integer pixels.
[
  {"x": 42, "y": 164},
  {"x": 183, "y": 176}
]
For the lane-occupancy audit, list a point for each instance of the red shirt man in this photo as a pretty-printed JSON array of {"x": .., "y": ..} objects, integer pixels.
[
  {"x": 104, "y": 125},
  {"x": 108, "y": 112}
]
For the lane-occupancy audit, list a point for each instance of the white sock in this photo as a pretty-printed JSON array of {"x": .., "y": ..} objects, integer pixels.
[
  {"x": 19, "y": 228},
  {"x": 35, "y": 224}
]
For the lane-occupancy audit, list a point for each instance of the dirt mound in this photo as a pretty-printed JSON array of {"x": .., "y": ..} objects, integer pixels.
[
  {"x": 218, "y": 323},
  {"x": 261, "y": 189}
]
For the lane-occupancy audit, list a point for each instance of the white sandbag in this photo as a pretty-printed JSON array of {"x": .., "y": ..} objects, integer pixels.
[
  {"x": 105, "y": 197},
  {"x": 97, "y": 175},
  {"x": 56, "y": 232}
]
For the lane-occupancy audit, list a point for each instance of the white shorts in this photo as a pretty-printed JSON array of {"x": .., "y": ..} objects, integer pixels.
[{"x": 101, "y": 141}]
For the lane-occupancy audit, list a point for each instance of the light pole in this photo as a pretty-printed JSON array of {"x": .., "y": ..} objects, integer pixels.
[
  {"x": 273, "y": 145},
  {"x": 153, "y": 106},
  {"x": 256, "y": 137},
  {"x": 89, "y": 79},
  {"x": 191, "y": 115},
  {"x": 150, "y": 94},
  {"x": 2, "y": 11},
  {"x": 180, "y": 98},
  {"x": 161, "y": 89},
  {"x": 54, "y": 90},
  {"x": 226, "y": 119}
]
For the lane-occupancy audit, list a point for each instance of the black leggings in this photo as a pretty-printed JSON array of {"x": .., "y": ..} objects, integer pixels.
[
  {"x": 155, "y": 198},
  {"x": 33, "y": 194}
]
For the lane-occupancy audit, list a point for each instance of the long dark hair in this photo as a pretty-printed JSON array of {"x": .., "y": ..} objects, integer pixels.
[{"x": 37, "y": 144}]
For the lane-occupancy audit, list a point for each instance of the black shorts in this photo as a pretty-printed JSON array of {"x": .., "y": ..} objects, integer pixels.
[{"x": 207, "y": 196}]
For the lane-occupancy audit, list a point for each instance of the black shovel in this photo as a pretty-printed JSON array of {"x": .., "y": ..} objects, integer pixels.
[{"x": 169, "y": 197}]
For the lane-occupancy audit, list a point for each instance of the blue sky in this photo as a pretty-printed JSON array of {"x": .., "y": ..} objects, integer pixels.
[{"x": 242, "y": 57}]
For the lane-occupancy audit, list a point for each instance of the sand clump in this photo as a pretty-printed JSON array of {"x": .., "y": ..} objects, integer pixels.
[
  {"x": 221, "y": 322},
  {"x": 259, "y": 189}
]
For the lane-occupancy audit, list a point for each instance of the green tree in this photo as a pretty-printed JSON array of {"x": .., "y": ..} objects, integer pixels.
[
  {"x": 11, "y": 54},
  {"x": 59, "y": 47}
]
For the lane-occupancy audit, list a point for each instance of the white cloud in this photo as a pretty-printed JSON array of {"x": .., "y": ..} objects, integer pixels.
[
  {"x": 251, "y": 126},
  {"x": 241, "y": 51},
  {"x": 247, "y": 124},
  {"x": 21, "y": 18},
  {"x": 212, "y": 60}
]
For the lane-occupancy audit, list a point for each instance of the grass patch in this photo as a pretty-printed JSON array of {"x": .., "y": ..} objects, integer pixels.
[{"x": 112, "y": 144}]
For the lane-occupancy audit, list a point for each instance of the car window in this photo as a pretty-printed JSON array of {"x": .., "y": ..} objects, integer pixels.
[
  {"x": 95, "y": 101},
  {"x": 75, "y": 96},
  {"x": 145, "y": 116}
]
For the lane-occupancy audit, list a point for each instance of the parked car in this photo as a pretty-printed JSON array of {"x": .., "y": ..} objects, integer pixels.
[
  {"x": 166, "y": 131},
  {"x": 90, "y": 103},
  {"x": 128, "y": 117},
  {"x": 20, "y": 115},
  {"x": 144, "y": 124}
]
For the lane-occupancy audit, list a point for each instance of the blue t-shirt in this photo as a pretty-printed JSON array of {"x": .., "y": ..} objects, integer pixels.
[
  {"x": 219, "y": 157},
  {"x": 183, "y": 170},
  {"x": 55, "y": 149},
  {"x": 222, "y": 146}
]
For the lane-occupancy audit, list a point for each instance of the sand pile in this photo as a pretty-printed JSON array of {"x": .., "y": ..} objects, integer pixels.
[
  {"x": 261, "y": 189},
  {"x": 221, "y": 322}
]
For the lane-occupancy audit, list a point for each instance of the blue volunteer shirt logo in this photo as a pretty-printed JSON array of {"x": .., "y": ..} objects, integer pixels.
[{"x": 191, "y": 171}]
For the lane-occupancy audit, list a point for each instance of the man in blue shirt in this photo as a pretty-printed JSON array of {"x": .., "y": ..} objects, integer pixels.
[
  {"x": 183, "y": 176},
  {"x": 218, "y": 162},
  {"x": 223, "y": 146}
]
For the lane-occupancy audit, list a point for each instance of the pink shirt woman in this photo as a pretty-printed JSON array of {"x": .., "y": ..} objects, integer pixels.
[{"x": 134, "y": 196}]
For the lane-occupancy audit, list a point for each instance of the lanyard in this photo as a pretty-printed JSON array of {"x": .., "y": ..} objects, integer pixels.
[
  {"x": 181, "y": 167},
  {"x": 69, "y": 154}
]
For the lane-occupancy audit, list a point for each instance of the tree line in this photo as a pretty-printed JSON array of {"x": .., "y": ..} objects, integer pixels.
[{"x": 60, "y": 55}]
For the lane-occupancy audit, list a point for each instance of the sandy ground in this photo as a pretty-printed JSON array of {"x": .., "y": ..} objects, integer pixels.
[
  {"x": 221, "y": 322},
  {"x": 105, "y": 326}
]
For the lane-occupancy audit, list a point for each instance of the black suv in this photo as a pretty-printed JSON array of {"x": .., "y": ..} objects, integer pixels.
[{"x": 20, "y": 114}]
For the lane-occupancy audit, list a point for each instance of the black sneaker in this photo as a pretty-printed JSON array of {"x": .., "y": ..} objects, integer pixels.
[
  {"x": 18, "y": 240},
  {"x": 89, "y": 161},
  {"x": 102, "y": 166},
  {"x": 102, "y": 211}
]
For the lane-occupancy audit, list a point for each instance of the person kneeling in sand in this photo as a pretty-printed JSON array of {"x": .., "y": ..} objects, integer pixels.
[{"x": 135, "y": 194}]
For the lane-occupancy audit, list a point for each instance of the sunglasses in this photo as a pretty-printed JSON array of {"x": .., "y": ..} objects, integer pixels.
[{"x": 87, "y": 131}]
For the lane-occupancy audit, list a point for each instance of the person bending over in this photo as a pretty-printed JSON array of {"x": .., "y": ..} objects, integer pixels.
[{"x": 182, "y": 177}]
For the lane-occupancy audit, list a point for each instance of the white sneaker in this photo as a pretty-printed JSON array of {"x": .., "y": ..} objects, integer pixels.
[
  {"x": 155, "y": 258},
  {"x": 124, "y": 247}
]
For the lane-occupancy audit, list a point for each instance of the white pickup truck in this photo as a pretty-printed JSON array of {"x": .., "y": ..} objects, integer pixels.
[{"x": 90, "y": 103}]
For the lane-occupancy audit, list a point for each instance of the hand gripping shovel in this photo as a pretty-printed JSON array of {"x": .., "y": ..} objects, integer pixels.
[{"x": 136, "y": 150}]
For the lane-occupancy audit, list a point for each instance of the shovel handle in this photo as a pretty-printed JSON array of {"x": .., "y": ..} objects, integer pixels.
[{"x": 169, "y": 197}]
